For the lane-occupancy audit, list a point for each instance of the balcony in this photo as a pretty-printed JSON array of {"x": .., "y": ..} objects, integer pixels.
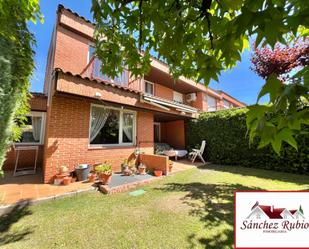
[{"x": 93, "y": 71}]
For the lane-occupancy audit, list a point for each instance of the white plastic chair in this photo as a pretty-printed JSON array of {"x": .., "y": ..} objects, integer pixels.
[{"x": 198, "y": 153}]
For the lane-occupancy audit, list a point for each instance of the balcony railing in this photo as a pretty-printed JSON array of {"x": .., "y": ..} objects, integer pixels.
[{"x": 93, "y": 71}]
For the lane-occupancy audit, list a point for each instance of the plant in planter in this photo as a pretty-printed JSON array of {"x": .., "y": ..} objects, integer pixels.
[
  {"x": 67, "y": 180},
  {"x": 132, "y": 167},
  {"x": 142, "y": 169},
  {"x": 170, "y": 165},
  {"x": 158, "y": 173},
  {"x": 125, "y": 168},
  {"x": 92, "y": 177},
  {"x": 104, "y": 172}
]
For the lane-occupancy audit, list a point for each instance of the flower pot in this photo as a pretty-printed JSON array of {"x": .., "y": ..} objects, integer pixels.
[
  {"x": 158, "y": 173},
  {"x": 73, "y": 179},
  {"x": 57, "y": 181},
  {"x": 66, "y": 180},
  {"x": 142, "y": 170},
  {"x": 127, "y": 171},
  {"x": 92, "y": 177},
  {"x": 82, "y": 172},
  {"x": 105, "y": 179}
]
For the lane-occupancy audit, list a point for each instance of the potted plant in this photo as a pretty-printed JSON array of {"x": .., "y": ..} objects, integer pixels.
[
  {"x": 92, "y": 176},
  {"x": 170, "y": 165},
  {"x": 125, "y": 168},
  {"x": 132, "y": 167},
  {"x": 158, "y": 173},
  {"x": 142, "y": 169},
  {"x": 104, "y": 172},
  {"x": 67, "y": 180}
]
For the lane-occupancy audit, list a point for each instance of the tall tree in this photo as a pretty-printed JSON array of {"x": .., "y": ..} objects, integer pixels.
[
  {"x": 282, "y": 119},
  {"x": 197, "y": 39},
  {"x": 16, "y": 65}
]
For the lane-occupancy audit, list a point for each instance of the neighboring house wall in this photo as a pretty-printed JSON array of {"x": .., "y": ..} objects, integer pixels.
[
  {"x": 173, "y": 133},
  {"x": 67, "y": 139}
]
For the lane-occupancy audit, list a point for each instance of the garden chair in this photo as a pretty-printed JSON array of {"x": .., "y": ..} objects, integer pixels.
[{"x": 198, "y": 152}]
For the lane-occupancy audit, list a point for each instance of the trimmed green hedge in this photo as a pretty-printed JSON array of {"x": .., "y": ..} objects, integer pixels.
[{"x": 225, "y": 134}]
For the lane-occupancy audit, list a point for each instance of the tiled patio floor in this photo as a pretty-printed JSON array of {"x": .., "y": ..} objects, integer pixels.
[{"x": 31, "y": 187}]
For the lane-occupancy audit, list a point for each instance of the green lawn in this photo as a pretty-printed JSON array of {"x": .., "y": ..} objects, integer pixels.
[{"x": 192, "y": 209}]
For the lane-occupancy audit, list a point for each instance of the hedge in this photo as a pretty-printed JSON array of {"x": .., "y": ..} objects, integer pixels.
[{"x": 227, "y": 143}]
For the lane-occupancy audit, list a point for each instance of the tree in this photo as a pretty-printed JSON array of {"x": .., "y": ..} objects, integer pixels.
[
  {"x": 197, "y": 39},
  {"x": 16, "y": 64},
  {"x": 282, "y": 119}
]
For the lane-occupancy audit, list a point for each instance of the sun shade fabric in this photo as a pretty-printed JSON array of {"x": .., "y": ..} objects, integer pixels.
[{"x": 99, "y": 116}]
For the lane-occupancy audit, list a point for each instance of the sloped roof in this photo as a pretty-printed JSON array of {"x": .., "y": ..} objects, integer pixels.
[{"x": 97, "y": 81}]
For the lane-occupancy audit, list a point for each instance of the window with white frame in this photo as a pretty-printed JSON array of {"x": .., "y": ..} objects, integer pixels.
[
  {"x": 149, "y": 87},
  {"x": 112, "y": 126},
  {"x": 32, "y": 131},
  {"x": 178, "y": 97},
  {"x": 227, "y": 104},
  {"x": 91, "y": 52},
  {"x": 211, "y": 103}
]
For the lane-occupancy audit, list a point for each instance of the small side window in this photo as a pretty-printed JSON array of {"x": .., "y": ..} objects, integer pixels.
[
  {"x": 149, "y": 88},
  {"x": 91, "y": 52}
]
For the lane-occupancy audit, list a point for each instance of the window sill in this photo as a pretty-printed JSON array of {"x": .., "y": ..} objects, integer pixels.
[
  {"x": 108, "y": 147},
  {"x": 28, "y": 144}
]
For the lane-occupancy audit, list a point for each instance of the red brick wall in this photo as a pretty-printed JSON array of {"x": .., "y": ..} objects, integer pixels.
[
  {"x": 26, "y": 159},
  {"x": 71, "y": 51},
  {"x": 67, "y": 137},
  {"x": 173, "y": 133},
  {"x": 155, "y": 162},
  {"x": 163, "y": 92},
  {"x": 38, "y": 103}
]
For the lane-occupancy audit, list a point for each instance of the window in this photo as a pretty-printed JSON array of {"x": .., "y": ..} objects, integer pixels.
[
  {"x": 211, "y": 103},
  {"x": 149, "y": 87},
  {"x": 178, "y": 97},
  {"x": 120, "y": 79},
  {"x": 32, "y": 130},
  {"x": 111, "y": 126},
  {"x": 91, "y": 52},
  {"x": 227, "y": 104}
]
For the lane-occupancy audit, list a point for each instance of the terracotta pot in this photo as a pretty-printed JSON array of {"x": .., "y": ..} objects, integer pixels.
[
  {"x": 66, "y": 180},
  {"x": 158, "y": 173},
  {"x": 73, "y": 179},
  {"x": 127, "y": 172},
  {"x": 142, "y": 171},
  {"x": 92, "y": 177},
  {"x": 105, "y": 179}
]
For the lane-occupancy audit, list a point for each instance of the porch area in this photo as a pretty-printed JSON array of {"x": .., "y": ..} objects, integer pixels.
[{"x": 31, "y": 187}]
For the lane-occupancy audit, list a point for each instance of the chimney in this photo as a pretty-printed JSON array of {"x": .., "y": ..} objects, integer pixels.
[{"x": 272, "y": 208}]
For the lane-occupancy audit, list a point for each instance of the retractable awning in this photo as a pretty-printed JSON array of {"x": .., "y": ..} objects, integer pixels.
[{"x": 167, "y": 103}]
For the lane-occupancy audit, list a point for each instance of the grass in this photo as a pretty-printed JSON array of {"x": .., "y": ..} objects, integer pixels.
[{"x": 192, "y": 209}]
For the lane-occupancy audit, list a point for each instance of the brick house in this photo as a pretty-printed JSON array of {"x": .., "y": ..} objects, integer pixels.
[{"x": 83, "y": 116}]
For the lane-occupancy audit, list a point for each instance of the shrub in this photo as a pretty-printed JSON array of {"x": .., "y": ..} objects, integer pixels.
[{"x": 227, "y": 143}]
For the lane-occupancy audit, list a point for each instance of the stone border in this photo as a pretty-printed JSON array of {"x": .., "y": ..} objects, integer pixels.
[{"x": 5, "y": 209}]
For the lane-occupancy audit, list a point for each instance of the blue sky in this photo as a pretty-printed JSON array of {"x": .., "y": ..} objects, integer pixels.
[{"x": 240, "y": 82}]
